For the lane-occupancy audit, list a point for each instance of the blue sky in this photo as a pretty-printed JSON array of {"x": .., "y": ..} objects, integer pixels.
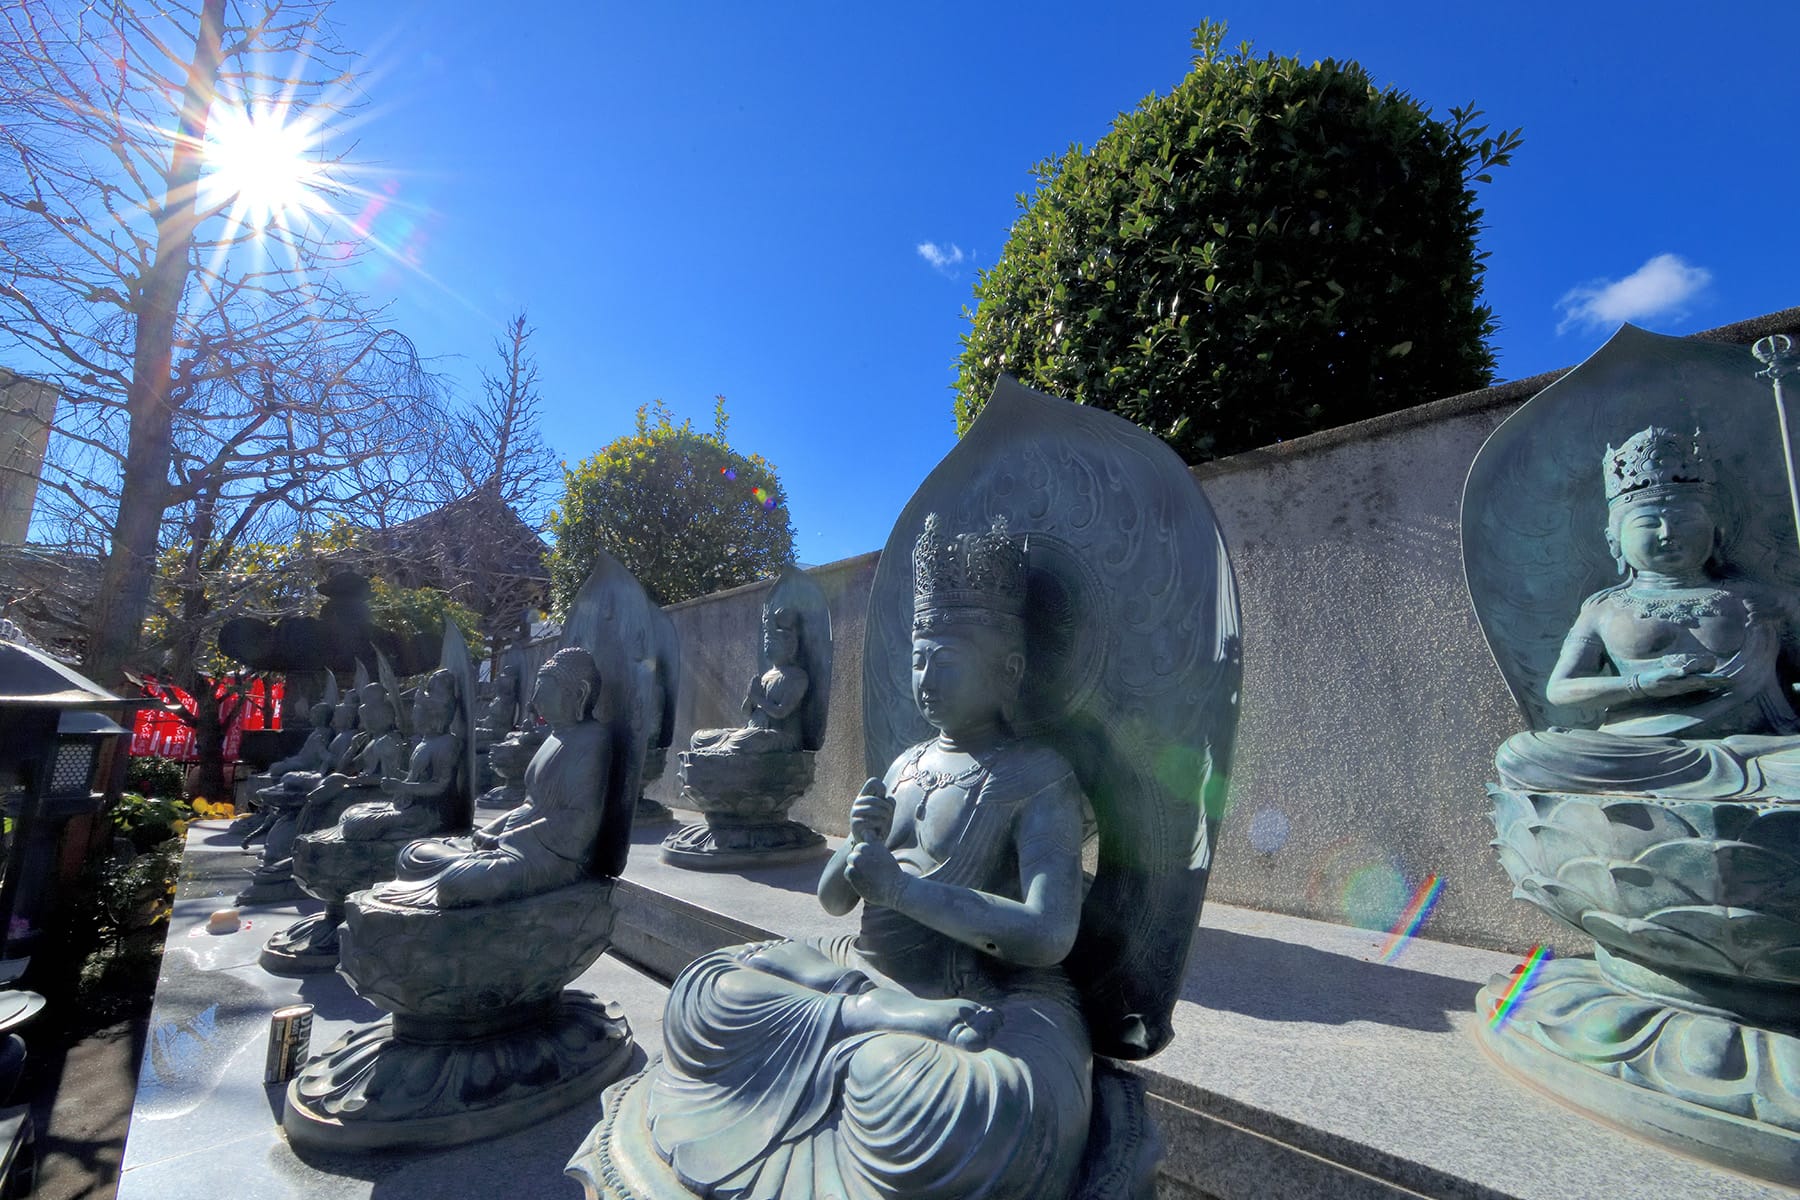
[{"x": 704, "y": 198}]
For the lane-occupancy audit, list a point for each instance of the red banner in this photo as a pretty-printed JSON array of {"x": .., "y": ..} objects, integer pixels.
[{"x": 243, "y": 705}]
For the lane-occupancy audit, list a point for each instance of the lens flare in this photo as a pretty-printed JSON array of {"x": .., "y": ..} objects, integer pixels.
[
  {"x": 262, "y": 165},
  {"x": 1412, "y": 917},
  {"x": 1524, "y": 977}
]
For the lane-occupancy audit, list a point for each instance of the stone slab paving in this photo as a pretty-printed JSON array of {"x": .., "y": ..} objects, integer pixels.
[{"x": 205, "y": 1125}]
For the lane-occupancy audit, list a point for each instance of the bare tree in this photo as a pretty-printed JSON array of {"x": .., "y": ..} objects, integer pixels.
[
  {"x": 221, "y": 387},
  {"x": 505, "y": 452}
]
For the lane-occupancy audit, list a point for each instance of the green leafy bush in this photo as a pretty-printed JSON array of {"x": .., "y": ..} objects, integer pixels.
[
  {"x": 149, "y": 821},
  {"x": 682, "y": 510},
  {"x": 1267, "y": 250},
  {"x": 163, "y": 777}
]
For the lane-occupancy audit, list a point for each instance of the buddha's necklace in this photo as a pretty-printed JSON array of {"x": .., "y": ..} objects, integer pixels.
[
  {"x": 1678, "y": 610},
  {"x": 934, "y": 781}
]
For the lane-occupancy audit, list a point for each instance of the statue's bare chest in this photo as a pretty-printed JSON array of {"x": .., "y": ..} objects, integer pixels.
[
  {"x": 933, "y": 799},
  {"x": 1697, "y": 622}
]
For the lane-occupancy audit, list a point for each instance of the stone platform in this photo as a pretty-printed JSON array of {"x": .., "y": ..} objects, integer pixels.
[
  {"x": 205, "y": 1126},
  {"x": 1303, "y": 1064}
]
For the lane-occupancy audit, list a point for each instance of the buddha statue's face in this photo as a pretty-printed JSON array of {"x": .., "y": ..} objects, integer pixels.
[
  {"x": 343, "y": 719},
  {"x": 964, "y": 680},
  {"x": 1671, "y": 535},
  {"x": 377, "y": 716},
  {"x": 557, "y": 699},
  {"x": 781, "y": 642}
]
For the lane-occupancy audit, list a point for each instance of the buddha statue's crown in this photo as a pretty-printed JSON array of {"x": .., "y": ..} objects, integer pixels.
[
  {"x": 969, "y": 579},
  {"x": 1655, "y": 463}
]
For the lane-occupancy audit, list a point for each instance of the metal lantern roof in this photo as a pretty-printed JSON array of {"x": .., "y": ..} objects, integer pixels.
[{"x": 29, "y": 678}]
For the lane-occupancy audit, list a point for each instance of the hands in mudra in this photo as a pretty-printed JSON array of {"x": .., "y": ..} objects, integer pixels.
[
  {"x": 1680, "y": 674},
  {"x": 871, "y": 868}
]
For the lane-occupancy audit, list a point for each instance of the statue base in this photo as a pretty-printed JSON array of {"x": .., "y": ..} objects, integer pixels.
[
  {"x": 725, "y": 844},
  {"x": 484, "y": 1038},
  {"x": 1692, "y": 1077},
  {"x": 307, "y": 947},
  {"x": 247, "y": 828},
  {"x": 618, "y": 1161},
  {"x": 387, "y": 1086},
  {"x": 328, "y": 871},
  {"x": 652, "y": 812},
  {"x": 272, "y": 884},
  {"x": 744, "y": 798}
]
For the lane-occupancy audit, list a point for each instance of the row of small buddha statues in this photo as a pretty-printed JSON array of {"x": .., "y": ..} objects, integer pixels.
[{"x": 988, "y": 975}]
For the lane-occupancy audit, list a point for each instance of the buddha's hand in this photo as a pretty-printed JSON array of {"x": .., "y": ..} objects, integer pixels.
[
  {"x": 1677, "y": 680},
  {"x": 875, "y": 874},
  {"x": 872, "y": 814}
]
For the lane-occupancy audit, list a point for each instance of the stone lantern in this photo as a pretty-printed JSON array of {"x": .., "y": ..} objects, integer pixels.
[{"x": 54, "y": 745}]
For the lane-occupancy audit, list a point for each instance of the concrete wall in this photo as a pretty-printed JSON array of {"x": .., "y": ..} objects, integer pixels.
[
  {"x": 1372, "y": 708},
  {"x": 720, "y": 637}
]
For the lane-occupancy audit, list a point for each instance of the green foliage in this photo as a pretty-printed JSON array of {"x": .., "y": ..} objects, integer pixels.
[
  {"x": 426, "y": 609},
  {"x": 1268, "y": 250},
  {"x": 391, "y": 606},
  {"x": 163, "y": 778},
  {"x": 148, "y": 821},
  {"x": 682, "y": 510}
]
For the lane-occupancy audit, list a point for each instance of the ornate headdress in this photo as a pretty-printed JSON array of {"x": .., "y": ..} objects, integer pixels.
[
  {"x": 1657, "y": 463},
  {"x": 971, "y": 579}
]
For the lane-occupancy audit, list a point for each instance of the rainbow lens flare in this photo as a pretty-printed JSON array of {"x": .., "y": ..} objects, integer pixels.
[
  {"x": 1524, "y": 976},
  {"x": 1412, "y": 917}
]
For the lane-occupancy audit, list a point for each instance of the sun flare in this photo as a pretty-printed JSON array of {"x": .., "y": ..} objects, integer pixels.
[{"x": 262, "y": 165}]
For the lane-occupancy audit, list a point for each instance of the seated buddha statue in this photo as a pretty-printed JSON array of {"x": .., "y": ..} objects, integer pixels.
[
  {"x": 381, "y": 756},
  {"x": 289, "y": 788},
  {"x": 548, "y": 841},
  {"x": 418, "y": 803},
  {"x": 772, "y": 705},
  {"x": 873, "y": 1066},
  {"x": 313, "y": 755},
  {"x": 315, "y": 751},
  {"x": 1690, "y": 663},
  {"x": 272, "y": 879}
]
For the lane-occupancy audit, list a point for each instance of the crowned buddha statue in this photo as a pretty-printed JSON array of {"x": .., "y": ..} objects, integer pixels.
[
  {"x": 743, "y": 779},
  {"x": 948, "y": 1048},
  {"x": 1652, "y": 804},
  {"x": 1686, "y": 660},
  {"x": 471, "y": 940},
  {"x": 283, "y": 802}
]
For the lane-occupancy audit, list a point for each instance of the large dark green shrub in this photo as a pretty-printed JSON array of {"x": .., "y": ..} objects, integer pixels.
[
  {"x": 681, "y": 509},
  {"x": 1268, "y": 250}
]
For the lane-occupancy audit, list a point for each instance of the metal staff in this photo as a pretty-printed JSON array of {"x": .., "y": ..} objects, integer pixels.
[{"x": 1776, "y": 353}]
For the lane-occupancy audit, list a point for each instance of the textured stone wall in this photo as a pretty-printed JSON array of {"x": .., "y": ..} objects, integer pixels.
[{"x": 1372, "y": 708}]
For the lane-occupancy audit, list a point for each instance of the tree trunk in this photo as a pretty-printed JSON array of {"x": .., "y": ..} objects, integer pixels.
[{"x": 117, "y": 619}]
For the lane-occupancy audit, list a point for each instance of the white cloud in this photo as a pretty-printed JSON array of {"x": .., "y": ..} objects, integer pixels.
[
  {"x": 942, "y": 258},
  {"x": 1658, "y": 288}
]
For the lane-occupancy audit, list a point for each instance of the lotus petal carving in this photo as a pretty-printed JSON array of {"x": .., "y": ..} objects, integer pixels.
[{"x": 1710, "y": 886}]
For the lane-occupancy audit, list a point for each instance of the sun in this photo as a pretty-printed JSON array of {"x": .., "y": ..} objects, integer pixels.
[{"x": 262, "y": 165}]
